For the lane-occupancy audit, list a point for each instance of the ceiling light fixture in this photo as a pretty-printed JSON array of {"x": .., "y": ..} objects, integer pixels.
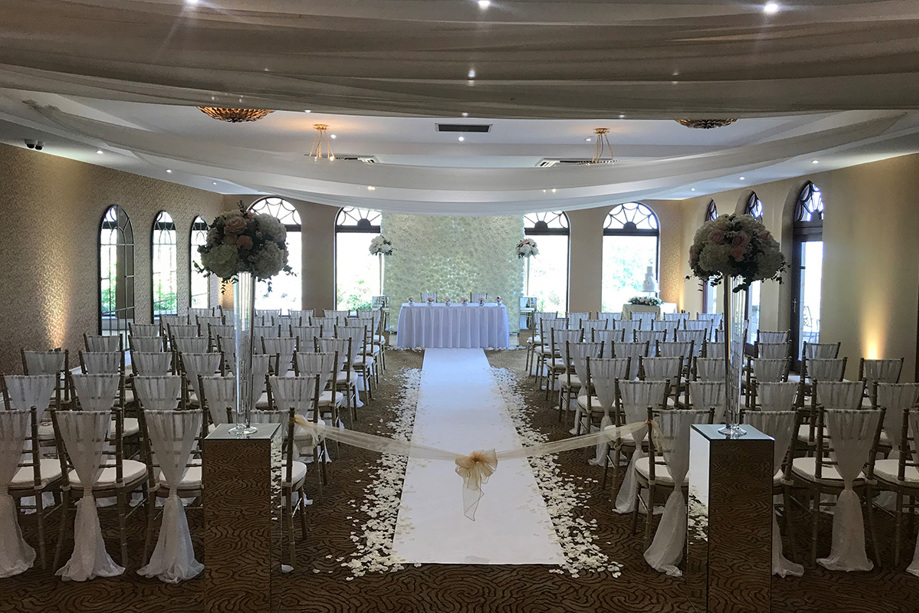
[
  {"x": 461, "y": 138},
  {"x": 692, "y": 189},
  {"x": 307, "y": 111},
  {"x": 771, "y": 8},
  {"x": 234, "y": 115},
  {"x": 471, "y": 74},
  {"x": 621, "y": 116},
  {"x": 370, "y": 188},
  {"x": 465, "y": 114},
  {"x": 815, "y": 161},
  {"x": 322, "y": 146},
  {"x": 484, "y": 4},
  {"x": 743, "y": 178},
  {"x": 169, "y": 171},
  {"x": 100, "y": 151},
  {"x": 705, "y": 124},
  {"x": 603, "y": 152}
]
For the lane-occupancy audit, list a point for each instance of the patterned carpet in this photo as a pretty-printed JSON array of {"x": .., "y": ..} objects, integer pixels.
[{"x": 319, "y": 583}]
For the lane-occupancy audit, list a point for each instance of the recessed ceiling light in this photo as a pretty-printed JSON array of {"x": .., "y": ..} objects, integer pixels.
[
  {"x": 100, "y": 151},
  {"x": 370, "y": 188},
  {"x": 815, "y": 161},
  {"x": 465, "y": 114},
  {"x": 169, "y": 170},
  {"x": 676, "y": 73},
  {"x": 307, "y": 111},
  {"x": 213, "y": 182},
  {"x": 554, "y": 190},
  {"x": 332, "y": 136},
  {"x": 770, "y": 8},
  {"x": 461, "y": 138},
  {"x": 621, "y": 116},
  {"x": 588, "y": 139},
  {"x": 471, "y": 74},
  {"x": 544, "y": 191},
  {"x": 743, "y": 178},
  {"x": 484, "y": 4},
  {"x": 192, "y": 2},
  {"x": 692, "y": 189}
]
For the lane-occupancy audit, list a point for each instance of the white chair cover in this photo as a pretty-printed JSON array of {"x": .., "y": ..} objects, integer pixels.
[
  {"x": 840, "y": 394},
  {"x": 146, "y": 344},
  {"x": 577, "y": 354},
  {"x": 84, "y": 435},
  {"x": 610, "y": 317},
  {"x": 715, "y": 350},
  {"x": 296, "y": 392},
  {"x": 199, "y": 364},
  {"x": 675, "y": 349},
  {"x": 340, "y": 345},
  {"x": 913, "y": 568},
  {"x": 652, "y": 336},
  {"x": 106, "y": 344},
  {"x": 312, "y": 364},
  {"x": 284, "y": 348},
  {"x": 666, "y": 549},
  {"x": 644, "y": 319},
  {"x": 660, "y": 369},
  {"x": 16, "y": 556},
  {"x": 896, "y": 398},
  {"x": 153, "y": 364},
  {"x": 603, "y": 375},
  {"x": 44, "y": 362},
  {"x": 852, "y": 433},
  {"x": 172, "y": 434},
  {"x": 780, "y": 425},
  {"x": 27, "y": 391},
  {"x": 777, "y": 396},
  {"x": 628, "y": 325},
  {"x": 696, "y": 336},
  {"x": 631, "y": 350},
  {"x": 705, "y": 395},
  {"x": 829, "y": 369},
  {"x": 882, "y": 371},
  {"x": 162, "y": 393},
  {"x": 636, "y": 397},
  {"x": 95, "y": 392},
  {"x": 772, "y": 351},
  {"x": 101, "y": 362},
  {"x": 768, "y": 370},
  {"x": 710, "y": 369},
  {"x": 821, "y": 351},
  {"x": 220, "y": 393},
  {"x": 191, "y": 344}
]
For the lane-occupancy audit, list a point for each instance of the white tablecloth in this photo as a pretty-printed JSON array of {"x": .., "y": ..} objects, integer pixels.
[
  {"x": 442, "y": 326},
  {"x": 666, "y": 307}
]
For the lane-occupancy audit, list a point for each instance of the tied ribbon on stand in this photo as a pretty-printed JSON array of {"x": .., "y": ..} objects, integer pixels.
[{"x": 475, "y": 469}]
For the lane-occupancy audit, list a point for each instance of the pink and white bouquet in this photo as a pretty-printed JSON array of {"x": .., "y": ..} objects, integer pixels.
[
  {"x": 481, "y": 302},
  {"x": 464, "y": 301},
  {"x": 498, "y": 300},
  {"x": 245, "y": 241},
  {"x": 380, "y": 245},
  {"x": 646, "y": 300},
  {"x": 735, "y": 246},
  {"x": 411, "y": 300},
  {"x": 430, "y": 299},
  {"x": 447, "y": 301},
  {"x": 527, "y": 248}
]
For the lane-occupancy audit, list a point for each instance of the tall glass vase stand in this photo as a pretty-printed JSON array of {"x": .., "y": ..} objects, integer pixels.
[
  {"x": 735, "y": 327},
  {"x": 243, "y": 318}
]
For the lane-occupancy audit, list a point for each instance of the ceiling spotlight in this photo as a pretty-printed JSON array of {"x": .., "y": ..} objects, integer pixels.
[
  {"x": 332, "y": 136},
  {"x": 554, "y": 190},
  {"x": 191, "y": 2},
  {"x": 213, "y": 182},
  {"x": 815, "y": 161},
  {"x": 484, "y": 4},
  {"x": 621, "y": 116},
  {"x": 100, "y": 151},
  {"x": 743, "y": 178},
  {"x": 461, "y": 138},
  {"x": 465, "y": 114},
  {"x": 771, "y": 8},
  {"x": 169, "y": 170},
  {"x": 307, "y": 111},
  {"x": 692, "y": 189},
  {"x": 471, "y": 74},
  {"x": 370, "y": 188}
]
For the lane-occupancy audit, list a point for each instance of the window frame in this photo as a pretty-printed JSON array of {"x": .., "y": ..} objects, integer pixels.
[
  {"x": 123, "y": 228},
  {"x": 628, "y": 213},
  {"x": 168, "y": 225},
  {"x": 198, "y": 226},
  {"x": 284, "y": 210},
  {"x": 552, "y": 223}
]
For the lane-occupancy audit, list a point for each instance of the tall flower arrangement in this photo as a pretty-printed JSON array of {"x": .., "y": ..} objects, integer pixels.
[
  {"x": 527, "y": 248},
  {"x": 735, "y": 246},
  {"x": 245, "y": 241},
  {"x": 380, "y": 245}
]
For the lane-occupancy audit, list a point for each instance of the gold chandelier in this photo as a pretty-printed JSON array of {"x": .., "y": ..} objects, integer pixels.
[
  {"x": 234, "y": 115},
  {"x": 706, "y": 124},
  {"x": 322, "y": 144},
  {"x": 603, "y": 152}
]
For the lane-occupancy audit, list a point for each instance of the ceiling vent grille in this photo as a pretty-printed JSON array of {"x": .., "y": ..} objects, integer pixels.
[
  {"x": 546, "y": 163},
  {"x": 464, "y": 127},
  {"x": 367, "y": 159}
]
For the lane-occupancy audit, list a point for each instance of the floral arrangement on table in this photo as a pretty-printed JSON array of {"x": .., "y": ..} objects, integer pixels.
[
  {"x": 447, "y": 301},
  {"x": 481, "y": 302},
  {"x": 464, "y": 301},
  {"x": 735, "y": 246},
  {"x": 430, "y": 300},
  {"x": 244, "y": 241},
  {"x": 498, "y": 300},
  {"x": 527, "y": 248},
  {"x": 646, "y": 301},
  {"x": 380, "y": 245},
  {"x": 411, "y": 300}
]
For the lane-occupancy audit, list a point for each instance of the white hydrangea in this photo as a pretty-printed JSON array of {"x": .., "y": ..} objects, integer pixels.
[{"x": 271, "y": 228}]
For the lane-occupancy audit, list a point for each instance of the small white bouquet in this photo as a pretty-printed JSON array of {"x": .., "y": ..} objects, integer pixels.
[
  {"x": 527, "y": 248},
  {"x": 380, "y": 245}
]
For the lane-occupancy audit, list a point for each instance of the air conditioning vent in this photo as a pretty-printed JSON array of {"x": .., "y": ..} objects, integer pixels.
[
  {"x": 546, "y": 163},
  {"x": 367, "y": 159},
  {"x": 463, "y": 127}
]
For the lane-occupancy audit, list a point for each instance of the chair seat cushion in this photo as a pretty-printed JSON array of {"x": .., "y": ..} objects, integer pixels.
[
  {"x": 129, "y": 427},
  {"x": 262, "y": 402},
  {"x": 804, "y": 431},
  {"x": 24, "y": 478},
  {"x": 661, "y": 472},
  {"x": 298, "y": 474},
  {"x": 806, "y": 468},
  {"x": 887, "y": 470},
  {"x": 573, "y": 381},
  {"x": 132, "y": 471},
  {"x": 191, "y": 480},
  {"x": 594, "y": 402}
]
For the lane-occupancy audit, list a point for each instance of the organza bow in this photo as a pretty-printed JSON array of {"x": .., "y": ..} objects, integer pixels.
[{"x": 475, "y": 469}]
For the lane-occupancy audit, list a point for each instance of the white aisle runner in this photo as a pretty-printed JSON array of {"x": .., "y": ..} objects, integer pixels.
[{"x": 461, "y": 409}]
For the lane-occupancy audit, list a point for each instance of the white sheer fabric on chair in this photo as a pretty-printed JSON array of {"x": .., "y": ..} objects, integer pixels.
[
  {"x": 146, "y": 344},
  {"x": 98, "y": 343},
  {"x": 576, "y": 354},
  {"x": 708, "y": 395},
  {"x": 84, "y": 436},
  {"x": 196, "y": 364},
  {"x": 27, "y": 391},
  {"x": 709, "y": 369},
  {"x": 283, "y": 347},
  {"x": 172, "y": 435},
  {"x": 780, "y": 425},
  {"x": 191, "y": 345},
  {"x": 96, "y": 392},
  {"x": 644, "y": 319},
  {"x": 159, "y": 393},
  {"x": 853, "y": 433},
  {"x": 16, "y": 556},
  {"x": 602, "y": 374},
  {"x": 101, "y": 362},
  {"x": 840, "y": 394},
  {"x": 781, "y": 396},
  {"x": 299, "y": 394},
  {"x": 219, "y": 395},
  {"x": 636, "y": 397},
  {"x": 913, "y": 568},
  {"x": 153, "y": 364},
  {"x": 895, "y": 398},
  {"x": 666, "y": 549}
]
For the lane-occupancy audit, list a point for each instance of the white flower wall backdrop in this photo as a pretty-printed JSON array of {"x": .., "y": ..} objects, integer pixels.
[{"x": 454, "y": 256}]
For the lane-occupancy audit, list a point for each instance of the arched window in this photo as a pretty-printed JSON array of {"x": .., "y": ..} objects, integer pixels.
[
  {"x": 199, "y": 287},
  {"x": 709, "y": 293},
  {"x": 807, "y": 266},
  {"x": 116, "y": 272},
  {"x": 285, "y": 290},
  {"x": 630, "y": 246},
  {"x": 547, "y": 272},
  {"x": 754, "y": 208},
  {"x": 164, "y": 286},
  {"x": 357, "y": 273},
  {"x": 711, "y": 212}
]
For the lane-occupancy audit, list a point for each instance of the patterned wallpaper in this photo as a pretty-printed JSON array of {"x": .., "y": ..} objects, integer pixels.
[
  {"x": 49, "y": 252},
  {"x": 454, "y": 256}
]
